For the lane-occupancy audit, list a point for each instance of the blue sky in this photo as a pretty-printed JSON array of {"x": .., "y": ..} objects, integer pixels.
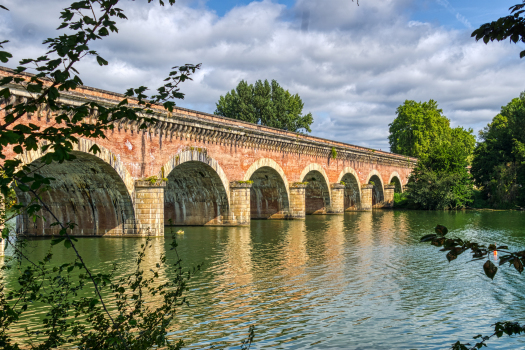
[
  {"x": 442, "y": 12},
  {"x": 352, "y": 66}
]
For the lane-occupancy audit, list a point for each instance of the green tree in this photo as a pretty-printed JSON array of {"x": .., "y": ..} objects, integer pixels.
[
  {"x": 416, "y": 126},
  {"x": 510, "y": 27},
  {"x": 498, "y": 165},
  {"x": 441, "y": 179},
  {"x": 265, "y": 104}
]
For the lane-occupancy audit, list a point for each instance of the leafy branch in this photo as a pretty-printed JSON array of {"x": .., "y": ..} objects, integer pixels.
[{"x": 455, "y": 247}]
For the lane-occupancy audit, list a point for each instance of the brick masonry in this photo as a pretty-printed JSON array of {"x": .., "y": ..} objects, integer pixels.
[{"x": 204, "y": 158}]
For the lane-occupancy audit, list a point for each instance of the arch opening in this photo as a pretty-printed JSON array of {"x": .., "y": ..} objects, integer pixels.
[
  {"x": 87, "y": 191},
  {"x": 377, "y": 192},
  {"x": 397, "y": 183},
  {"x": 268, "y": 195},
  {"x": 317, "y": 196},
  {"x": 352, "y": 196},
  {"x": 195, "y": 196}
]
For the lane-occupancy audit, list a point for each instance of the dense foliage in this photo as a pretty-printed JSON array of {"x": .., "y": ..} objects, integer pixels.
[
  {"x": 510, "y": 27},
  {"x": 441, "y": 179},
  {"x": 498, "y": 165},
  {"x": 265, "y": 104},
  {"x": 416, "y": 126}
]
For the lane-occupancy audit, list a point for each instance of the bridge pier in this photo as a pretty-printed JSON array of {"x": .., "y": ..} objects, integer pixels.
[
  {"x": 297, "y": 200},
  {"x": 239, "y": 213},
  {"x": 389, "y": 196},
  {"x": 366, "y": 197},
  {"x": 338, "y": 199},
  {"x": 149, "y": 209}
]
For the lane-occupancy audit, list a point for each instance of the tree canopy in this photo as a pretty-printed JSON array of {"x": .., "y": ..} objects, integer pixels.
[
  {"x": 441, "y": 179},
  {"x": 416, "y": 126},
  {"x": 498, "y": 164},
  {"x": 266, "y": 104}
]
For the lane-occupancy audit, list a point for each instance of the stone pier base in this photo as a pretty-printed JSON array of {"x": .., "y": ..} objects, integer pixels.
[
  {"x": 149, "y": 209},
  {"x": 297, "y": 200},
  {"x": 338, "y": 199},
  {"x": 366, "y": 197}
]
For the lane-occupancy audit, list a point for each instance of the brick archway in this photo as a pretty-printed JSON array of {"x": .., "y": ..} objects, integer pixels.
[
  {"x": 318, "y": 197},
  {"x": 197, "y": 190},
  {"x": 352, "y": 195},
  {"x": 395, "y": 175},
  {"x": 378, "y": 191},
  {"x": 269, "y": 193},
  {"x": 93, "y": 191},
  {"x": 84, "y": 146}
]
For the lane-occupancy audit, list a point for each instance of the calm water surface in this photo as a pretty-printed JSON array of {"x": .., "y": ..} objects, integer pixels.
[{"x": 358, "y": 281}]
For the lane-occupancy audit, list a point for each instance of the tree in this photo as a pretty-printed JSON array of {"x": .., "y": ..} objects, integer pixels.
[
  {"x": 440, "y": 179},
  {"x": 266, "y": 104},
  {"x": 416, "y": 126},
  {"x": 511, "y": 27},
  {"x": 498, "y": 164}
]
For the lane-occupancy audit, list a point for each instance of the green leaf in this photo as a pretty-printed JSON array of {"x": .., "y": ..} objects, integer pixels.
[
  {"x": 518, "y": 265},
  {"x": 67, "y": 243},
  {"x": 5, "y": 56},
  {"x": 441, "y": 230},
  {"x": 427, "y": 238},
  {"x": 102, "y": 61},
  {"x": 490, "y": 269},
  {"x": 57, "y": 240}
]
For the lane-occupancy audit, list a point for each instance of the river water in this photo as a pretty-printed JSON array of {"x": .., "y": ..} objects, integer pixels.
[{"x": 358, "y": 281}]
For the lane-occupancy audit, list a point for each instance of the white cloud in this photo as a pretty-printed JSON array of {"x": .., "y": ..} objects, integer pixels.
[{"x": 352, "y": 67}]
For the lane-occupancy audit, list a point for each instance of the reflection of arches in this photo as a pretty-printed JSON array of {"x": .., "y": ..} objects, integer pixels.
[
  {"x": 269, "y": 194},
  {"x": 377, "y": 192},
  {"x": 88, "y": 191},
  {"x": 352, "y": 196},
  {"x": 396, "y": 180},
  {"x": 317, "y": 196},
  {"x": 197, "y": 192}
]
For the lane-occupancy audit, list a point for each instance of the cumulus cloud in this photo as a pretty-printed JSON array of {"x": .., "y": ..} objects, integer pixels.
[{"x": 351, "y": 65}]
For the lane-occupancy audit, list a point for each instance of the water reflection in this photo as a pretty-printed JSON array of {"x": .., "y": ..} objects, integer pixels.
[{"x": 358, "y": 281}]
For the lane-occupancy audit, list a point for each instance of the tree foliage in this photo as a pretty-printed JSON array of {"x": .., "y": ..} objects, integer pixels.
[
  {"x": 480, "y": 252},
  {"x": 498, "y": 165},
  {"x": 441, "y": 179},
  {"x": 510, "y": 27},
  {"x": 266, "y": 104},
  {"x": 415, "y": 128}
]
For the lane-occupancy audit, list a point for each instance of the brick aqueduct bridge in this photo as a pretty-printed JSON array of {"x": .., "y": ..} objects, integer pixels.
[{"x": 219, "y": 171}]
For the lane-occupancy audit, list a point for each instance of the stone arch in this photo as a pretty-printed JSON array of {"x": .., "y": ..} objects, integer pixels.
[
  {"x": 93, "y": 191},
  {"x": 197, "y": 192},
  {"x": 270, "y": 193},
  {"x": 396, "y": 179},
  {"x": 378, "y": 196},
  {"x": 352, "y": 195},
  {"x": 318, "y": 196},
  {"x": 84, "y": 146}
]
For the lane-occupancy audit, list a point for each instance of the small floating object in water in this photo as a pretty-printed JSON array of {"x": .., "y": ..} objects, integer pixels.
[{"x": 180, "y": 232}]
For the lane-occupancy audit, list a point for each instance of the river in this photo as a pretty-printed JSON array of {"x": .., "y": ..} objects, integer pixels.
[{"x": 358, "y": 281}]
